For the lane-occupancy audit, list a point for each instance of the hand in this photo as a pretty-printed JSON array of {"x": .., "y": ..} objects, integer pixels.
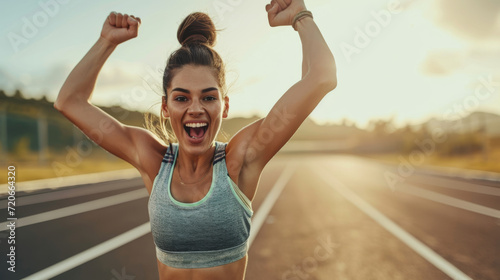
[
  {"x": 119, "y": 28},
  {"x": 282, "y": 12}
]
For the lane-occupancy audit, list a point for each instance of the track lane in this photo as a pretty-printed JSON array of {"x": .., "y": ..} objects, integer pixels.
[
  {"x": 464, "y": 238},
  {"x": 308, "y": 215}
]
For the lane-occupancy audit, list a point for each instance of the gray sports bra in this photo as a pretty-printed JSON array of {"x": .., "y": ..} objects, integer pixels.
[{"x": 206, "y": 233}]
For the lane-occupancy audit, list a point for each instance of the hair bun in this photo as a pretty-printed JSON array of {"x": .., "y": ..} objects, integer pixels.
[
  {"x": 195, "y": 38},
  {"x": 197, "y": 28}
]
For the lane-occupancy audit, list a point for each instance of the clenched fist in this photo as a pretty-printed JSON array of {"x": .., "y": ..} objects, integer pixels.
[
  {"x": 119, "y": 28},
  {"x": 282, "y": 12}
]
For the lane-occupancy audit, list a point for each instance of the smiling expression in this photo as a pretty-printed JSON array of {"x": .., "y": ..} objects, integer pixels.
[{"x": 195, "y": 107}]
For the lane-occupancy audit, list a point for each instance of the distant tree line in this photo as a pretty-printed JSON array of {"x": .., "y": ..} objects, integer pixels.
[{"x": 34, "y": 126}]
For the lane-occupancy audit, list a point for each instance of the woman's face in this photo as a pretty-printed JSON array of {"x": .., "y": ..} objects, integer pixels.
[{"x": 195, "y": 107}]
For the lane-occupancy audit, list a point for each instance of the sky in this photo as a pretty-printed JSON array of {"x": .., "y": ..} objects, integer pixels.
[{"x": 407, "y": 60}]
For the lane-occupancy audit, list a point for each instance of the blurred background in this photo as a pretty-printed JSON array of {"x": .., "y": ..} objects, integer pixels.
[{"x": 405, "y": 69}]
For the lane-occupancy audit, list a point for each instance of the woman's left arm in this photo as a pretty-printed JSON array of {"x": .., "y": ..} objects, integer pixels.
[{"x": 265, "y": 137}]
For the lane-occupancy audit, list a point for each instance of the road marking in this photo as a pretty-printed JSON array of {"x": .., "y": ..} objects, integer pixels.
[
  {"x": 467, "y": 174},
  {"x": 451, "y": 201},
  {"x": 268, "y": 203},
  {"x": 91, "y": 253},
  {"x": 446, "y": 172},
  {"x": 59, "y": 194},
  {"x": 65, "y": 181},
  {"x": 77, "y": 209},
  {"x": 412, "y": 189},
  {"x": 459, "y": 185},
  {"x": 415, "y": 244}
]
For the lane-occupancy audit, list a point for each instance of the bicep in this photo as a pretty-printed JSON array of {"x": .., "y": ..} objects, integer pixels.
[{"x": 115, "y": 137}]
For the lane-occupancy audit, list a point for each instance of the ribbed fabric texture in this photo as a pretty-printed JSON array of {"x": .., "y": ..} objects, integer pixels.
[{"x": 207, "y": 233}]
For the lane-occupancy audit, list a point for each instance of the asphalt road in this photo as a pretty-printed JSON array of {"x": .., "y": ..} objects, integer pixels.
[{"x": 317, "y": 216}]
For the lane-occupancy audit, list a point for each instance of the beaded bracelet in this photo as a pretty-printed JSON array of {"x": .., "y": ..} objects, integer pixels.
[{"x": 299, "y": 16}]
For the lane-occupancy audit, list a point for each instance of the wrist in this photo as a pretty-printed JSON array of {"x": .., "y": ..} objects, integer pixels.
[
  {"x": 301, "y": 16},
  {"x": 106, "y": 43},
  {"x": 303, "y": 23}
]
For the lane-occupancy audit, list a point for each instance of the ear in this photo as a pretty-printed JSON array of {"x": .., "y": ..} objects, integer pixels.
[
  {"x": 226, "y": 107},
  {"x": 164, "y": 109}
]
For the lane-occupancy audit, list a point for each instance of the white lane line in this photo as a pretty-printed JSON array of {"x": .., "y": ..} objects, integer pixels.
[
  {"x": 66, "y": 181},
  {"x": 91, "y": 253},
  {"x": 451, "y": 201},
  {"x": 268, "y": 203},
  {"x": 459, "y": 185},
  {"x": 415, "y": 244},
  {"x": 413, "y": 189},
  {"x": 57, "y": 194},
  {"x": 77, "y": 209}
]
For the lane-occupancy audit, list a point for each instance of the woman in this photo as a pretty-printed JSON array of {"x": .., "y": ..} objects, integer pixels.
[{"x": 200, "y": 190}]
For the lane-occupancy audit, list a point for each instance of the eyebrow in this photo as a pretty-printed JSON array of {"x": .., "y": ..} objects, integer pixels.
[{"x": 187, "y": 91}]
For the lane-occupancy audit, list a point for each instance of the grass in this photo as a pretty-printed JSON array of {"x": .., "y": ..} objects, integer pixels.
[{"x": 28, "y": 168}]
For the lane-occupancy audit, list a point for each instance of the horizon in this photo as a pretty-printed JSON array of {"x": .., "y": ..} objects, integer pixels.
[
  {"x": 341, "y": 123},
  {"x": 409, "y": 61}
]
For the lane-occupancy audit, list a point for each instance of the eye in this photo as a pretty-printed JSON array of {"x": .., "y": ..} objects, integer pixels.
[
  {"x": 180, "y": 98},
  {"x": 210, "y": 98}
]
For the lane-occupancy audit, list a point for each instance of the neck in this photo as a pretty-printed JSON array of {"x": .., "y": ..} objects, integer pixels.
[{"x": 195, "y": 165}]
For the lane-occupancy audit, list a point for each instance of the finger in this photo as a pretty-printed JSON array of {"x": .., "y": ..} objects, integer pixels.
[
  {"x": 276, "y": 4},
  {"x": 132, "y": 21},
  {"x": 268, "y": 7},
  {"x": 119, "y": 18},
  {"x": 282, "y": 4},
  {"x": 274, "y": 9},
  {"x": 271, "y": 14},
  {"x": 138, "y": 19},
  {"x": 133, "y": 27},
  {"x": 112, "y": 18},
  {"x": 125, "y": 21}
]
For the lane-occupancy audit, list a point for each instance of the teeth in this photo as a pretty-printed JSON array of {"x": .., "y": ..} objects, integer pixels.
[{"x": 196, "y": 124}]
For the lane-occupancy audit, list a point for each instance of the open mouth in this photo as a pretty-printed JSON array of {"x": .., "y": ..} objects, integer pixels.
[{"x": 196, "y": 130}]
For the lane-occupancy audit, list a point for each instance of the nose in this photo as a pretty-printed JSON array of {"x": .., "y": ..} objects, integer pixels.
[{"x": 196, "y": 108}]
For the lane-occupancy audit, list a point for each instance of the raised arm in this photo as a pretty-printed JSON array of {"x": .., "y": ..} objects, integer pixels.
[
  {"x": 261, "y": 140},
  {"x": 74, "y": 97}
]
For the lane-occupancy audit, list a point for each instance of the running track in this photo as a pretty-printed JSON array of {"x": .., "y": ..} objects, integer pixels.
[{"x": 315, "y": 217}]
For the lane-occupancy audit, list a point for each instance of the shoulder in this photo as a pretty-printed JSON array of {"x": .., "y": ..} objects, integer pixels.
[
  {"x": 150, "y": 151},
  {"x": 238, "y": 149},
  {"x": 147, "y": 143}
]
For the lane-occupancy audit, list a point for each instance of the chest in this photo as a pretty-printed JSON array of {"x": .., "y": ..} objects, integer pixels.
[
  {"x": 207, "y": 216},
  {"x": 191, "y": 191}
]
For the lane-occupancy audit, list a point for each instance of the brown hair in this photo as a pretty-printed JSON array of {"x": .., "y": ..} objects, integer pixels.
[{"x": 197, "y": 36}]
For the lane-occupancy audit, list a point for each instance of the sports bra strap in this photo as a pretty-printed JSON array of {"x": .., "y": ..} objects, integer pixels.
[
  {"x": 220, "y": 152},
  {"x": 169, "y": 155}
]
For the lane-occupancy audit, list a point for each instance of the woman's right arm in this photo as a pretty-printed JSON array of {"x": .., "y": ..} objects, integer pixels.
[{"x": 73, "y": 100}]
